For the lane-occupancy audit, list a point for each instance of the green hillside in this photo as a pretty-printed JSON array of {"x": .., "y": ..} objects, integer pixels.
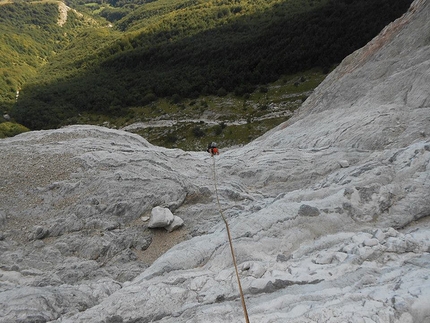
[
  {"x": 170, "y": 57},
  {"x": 25, "y": 43},
  {"x": 29, "y": 37}
]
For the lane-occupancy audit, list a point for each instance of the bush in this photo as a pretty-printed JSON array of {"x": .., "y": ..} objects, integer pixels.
[
  {"x": 171, "y": 138},
  {"x": 148, "y": 98},
  {"x": 10, "y": 129},
  {"x": 176, "y": 98},
  {"x": 198, "y": 132},
  {"x": 264, "y": 89},
  {"x": 113, "y": 15},
  {"x": 221, "y": 92},
  {"x": 217, "y": 130}
]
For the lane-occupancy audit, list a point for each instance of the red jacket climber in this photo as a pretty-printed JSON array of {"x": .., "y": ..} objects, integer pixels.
[{"x": 212, "y": 149}]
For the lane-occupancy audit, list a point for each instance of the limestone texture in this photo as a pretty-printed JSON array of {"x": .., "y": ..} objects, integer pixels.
[{"x": 329, "y": 212}]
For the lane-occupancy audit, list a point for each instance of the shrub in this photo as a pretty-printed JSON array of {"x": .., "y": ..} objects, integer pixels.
[
  {"x": 148, "y": 98},
  {"x": 221, "y": 92},
  {"x": 176, "y": 98},
  {"x": 264, "y": 89},
  {"x": 10, "y": 129},
  {"x": 198, "y": 132},
  {"x": 217, "y": 130},
  {"x": 171, "y": 138}
]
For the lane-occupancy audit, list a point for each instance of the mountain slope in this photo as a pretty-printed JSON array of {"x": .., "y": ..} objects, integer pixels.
[
  {"x": 32, "y": 33},
  {"x": 24, "y": 47},
  {"x": 187, "y": 49},
  {"x": 329, "y": 212}
]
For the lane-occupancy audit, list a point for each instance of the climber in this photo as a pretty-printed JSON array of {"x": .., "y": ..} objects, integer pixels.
[{"x": 212, "y": 149}]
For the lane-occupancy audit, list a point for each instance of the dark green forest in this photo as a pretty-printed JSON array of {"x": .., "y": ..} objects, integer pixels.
[{"x": 185, "y": 49}]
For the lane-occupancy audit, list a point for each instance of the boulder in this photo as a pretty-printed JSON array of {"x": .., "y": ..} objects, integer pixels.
[
  {"x": 161, "y": 217},
  {"x": 176, "y": 223},
  {"x": 40, "y": 233},
  {"x": 307, "y": 210}
]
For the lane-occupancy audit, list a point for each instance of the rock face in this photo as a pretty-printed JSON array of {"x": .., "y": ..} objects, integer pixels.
[{"x": 329, "y": 212}]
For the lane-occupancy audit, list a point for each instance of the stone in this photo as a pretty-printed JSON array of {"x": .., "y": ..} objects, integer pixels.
[
  {"x": 40, "y": 233},
  {"x": 114, "y": 319},
  {"x": 3, "y": 219},
  {"x": 343, "y": 163},
  {"x": 380, "y": 235},
  {"x": 371, "y": 242},
  {"x": 324, "y": 258},
  {"x": 70, "y": 223},
  {"x": 175, "y": 224},
  {"x": 160, "y": 217},
  {"x": 252, "y": 268},
  {"x": 307, "y": 210}
]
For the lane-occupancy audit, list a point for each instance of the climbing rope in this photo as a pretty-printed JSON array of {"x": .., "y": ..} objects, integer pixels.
[{"x": 245, "y": 312}]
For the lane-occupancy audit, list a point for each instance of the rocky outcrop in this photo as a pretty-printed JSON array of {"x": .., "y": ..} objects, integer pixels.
[
  {"x": 329, "y": 212},
  {"x": 62, "y": 10}
]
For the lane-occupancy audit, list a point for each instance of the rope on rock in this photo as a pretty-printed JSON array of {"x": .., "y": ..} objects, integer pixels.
[{"x": 245, "y": 312}]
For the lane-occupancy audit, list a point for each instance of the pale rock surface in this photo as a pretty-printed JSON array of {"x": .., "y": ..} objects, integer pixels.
[{"x": 315, "y": 241}]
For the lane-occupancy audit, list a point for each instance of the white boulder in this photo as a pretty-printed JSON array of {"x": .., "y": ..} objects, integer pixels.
[
  {"x": 161, "y": 217},
  {"x": 175, "y": 224}
]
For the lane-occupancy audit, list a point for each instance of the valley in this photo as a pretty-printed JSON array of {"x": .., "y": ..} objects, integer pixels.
[{"x": 243, "y": 66}]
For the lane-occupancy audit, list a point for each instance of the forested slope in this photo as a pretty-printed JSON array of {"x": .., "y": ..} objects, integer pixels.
[
  {"x": 27, "y": 38},
  {"x": 192, "y": 48},
  {"x": 30, "y": 36}
]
